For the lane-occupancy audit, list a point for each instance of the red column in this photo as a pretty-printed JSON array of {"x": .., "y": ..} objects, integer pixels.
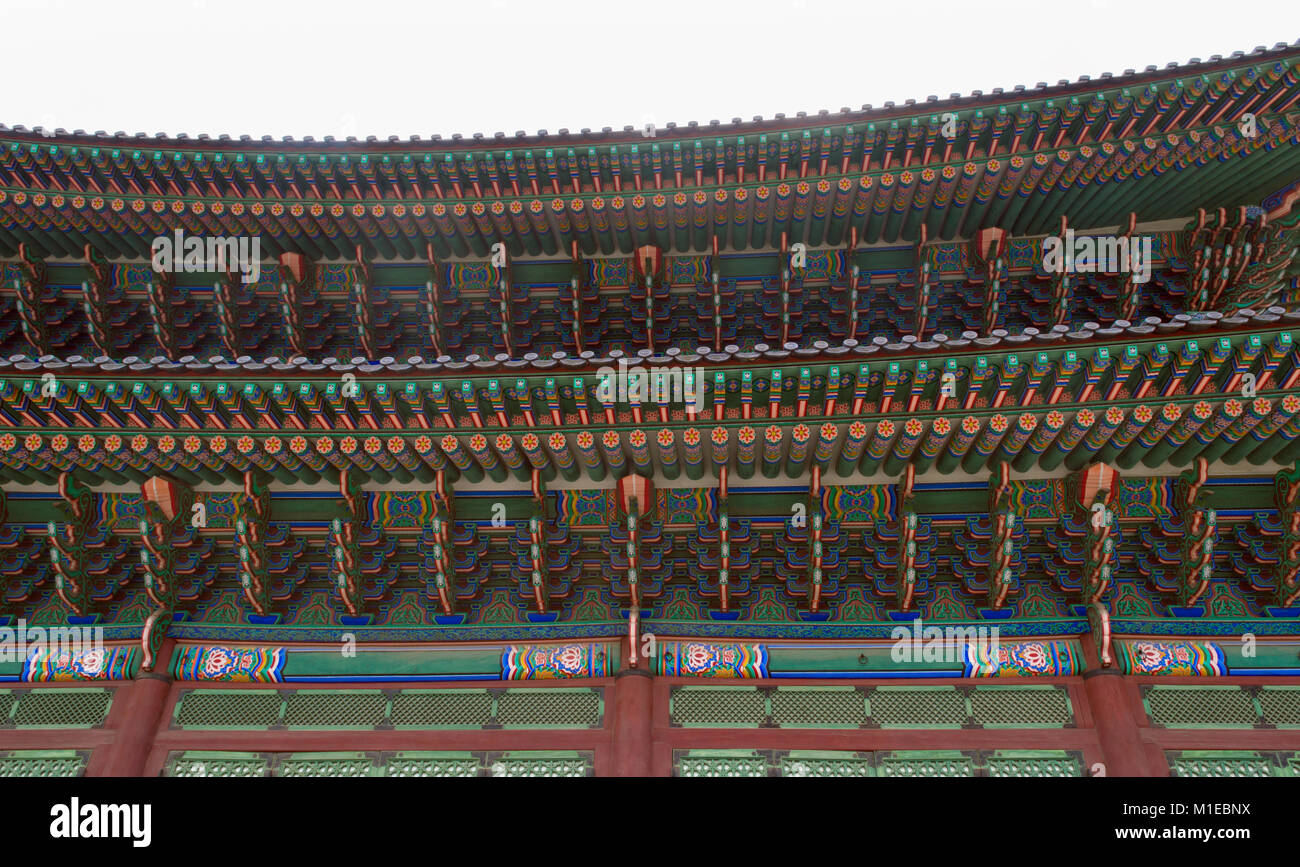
[
  {"x": 1117, "y": 730},
  {"x": 143, "y": 700},
  {"x": 633, "y": 718}
]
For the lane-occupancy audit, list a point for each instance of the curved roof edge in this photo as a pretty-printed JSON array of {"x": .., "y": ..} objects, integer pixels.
[{"x": 672, "y": 131}]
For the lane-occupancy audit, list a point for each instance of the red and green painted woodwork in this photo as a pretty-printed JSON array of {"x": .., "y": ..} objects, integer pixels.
[
  {"x": 345, "y": 533},
  {"x": 68, "y": 554},
  {"x": 723, "y": 547},
  {"x": 1205, "y": 658},
  {"x": 1021, "y": 158},
  {"x": 636, "y": 546},
  {"x": 916, "y": 650},
  {"x": 167, "y": 506},
  {"x": 296, "y": 308},
  {"x": 547, "y": 568},
  {"x": 907, "y": 557},
  {"x": 451, "y": 552},
  {"x": 993, "y": 546},
  {"x": 867, "y": 543},
  {"x": 43, "y": 662},
  {"x": 1089, "y": 536},
  {"x": 38, "y": 457},
  {"x": 1287, "y": 574},
  {"x": 811, "y": 567},
  {"x": 1198, "y": 534},
  {"x": 1185, "y": 658},
  {"x": 1182, "y": 546},
  {"x": 269, "y": 664},
  {"x": 1270, "y": 562},
  {"x": 97, "y": 427},
  {"x": 526, "y": 268},
  {"x": 251, "y": 532}
]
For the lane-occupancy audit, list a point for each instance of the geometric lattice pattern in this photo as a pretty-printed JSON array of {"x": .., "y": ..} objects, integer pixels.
[
  {"x": 215, "y": 764},
  {"x": 56, "y": 708},
  {"x": 721, "y": 707},
  {"x": 918, "y": 707},
  {"x": 924, "y": 763},
  {"x": 516, "y": 708},
  {"x": 434, "y": 765},
  {"x": 335, "y": 710},
  {"x": 549, "y": 708},
  {"x": 997, "y": 707},
  {"x": 327, "y": 765},
  {"x": 992, "y": 706},
  {"x": 885, "y": 763},
  {"x": 721, "y": 763},
  {"x": 826, "y": 764},
  {"x": 42, "y": 763},
  {"x": 194, "y": 763},
  {"x": 1280, "y": 705},
  {"x": 828, "y": 707},
  {"x": 442, "y": 708},
  {"x": 1212, "y": 706},
  {"x": 1032, "y": 764},
  {"x": 230, "y": 709},
  {"x": 540, "y": 765},
  {"x": 1233, "y": 763}
]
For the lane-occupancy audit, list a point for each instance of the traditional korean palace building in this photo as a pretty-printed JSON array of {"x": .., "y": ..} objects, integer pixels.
[{"x": 957, "y": 437}]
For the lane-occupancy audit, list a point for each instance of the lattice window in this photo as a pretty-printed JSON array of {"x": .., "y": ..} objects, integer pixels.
[
  {"x": 327, "y": 765},
  {"x": 895, "y": 763},
  {"x": 336, "y": 709},
  {"x": 1281, "y": 705},
  {"x": 810, "y": 707},
  {"x": 448, "y": 708},
  {"x": 735, "y": 707},
  {"x": 827, "y": 764},
  {"x": 918, "y": 707},
  {"x": 1033, "y": 764},
  {"x": 925, "y": 763},
  {"x": 1227, "y": 764},
  {"x": 229, "y": 709},
  {"x": 1200, "y": 707},
  {"x": 1021, "y": 707},
  {"x": 549, "y": 708},
  {"x": 529, "y": 763},
  {"x": 42, "y": 763},
  {"x": 62, "y": 708},
  {"x": 722, "y": 763},
  {"x": 434, "y": 765},
  {"x": 539, "y": 764},
  {"x": 205, "y": 764}
]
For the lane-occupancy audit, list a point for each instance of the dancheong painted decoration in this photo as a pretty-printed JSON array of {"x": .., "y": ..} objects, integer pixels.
[{"x": 956, "y": 437}]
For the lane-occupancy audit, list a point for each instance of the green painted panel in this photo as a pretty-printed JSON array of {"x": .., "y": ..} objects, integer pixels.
[
  {"x": 1264, "y": 655},
  {"x": 886, "y": 763},
  {"x": 308, "y": 663},
  {"x": 846, "y": 658},
  {"x": 1200, "y": 707},
  {"x": 42, "y": 763},
  {"x": 65, "y": 708}
]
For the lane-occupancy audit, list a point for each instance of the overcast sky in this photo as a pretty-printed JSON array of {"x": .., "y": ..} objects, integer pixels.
[{"x": 380, "y": 68}]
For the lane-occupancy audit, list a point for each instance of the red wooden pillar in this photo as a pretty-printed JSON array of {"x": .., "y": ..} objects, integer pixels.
[
  {"x": 633, "y": 720},
  {"x": 1111, "y": 703},
  {"x": 143, "y": 700}
]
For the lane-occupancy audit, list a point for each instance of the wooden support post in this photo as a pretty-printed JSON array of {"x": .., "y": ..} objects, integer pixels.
[
  {"x": 1110, "y": 698},
  {"x": 633, "y": 720},
  {"x": 143, "y": 700}
]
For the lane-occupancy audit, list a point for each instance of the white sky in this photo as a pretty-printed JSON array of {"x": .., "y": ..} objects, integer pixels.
[{"x": 262, "y": 67}]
